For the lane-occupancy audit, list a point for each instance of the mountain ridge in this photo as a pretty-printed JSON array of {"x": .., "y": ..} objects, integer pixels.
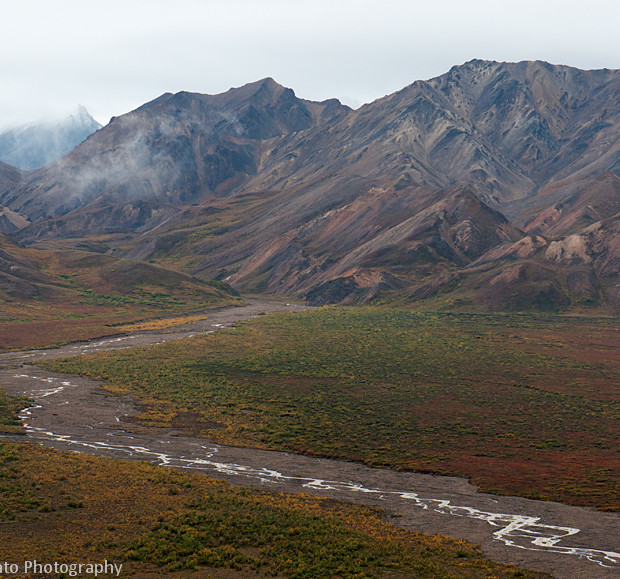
[{"x": 274, "y": 193}]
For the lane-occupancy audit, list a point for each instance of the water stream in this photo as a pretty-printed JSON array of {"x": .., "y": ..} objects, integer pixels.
[{"x": 514, "y": 530}]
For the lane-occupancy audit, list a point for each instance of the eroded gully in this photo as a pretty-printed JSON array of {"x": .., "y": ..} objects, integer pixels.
[{"x": 73, "y": 413}]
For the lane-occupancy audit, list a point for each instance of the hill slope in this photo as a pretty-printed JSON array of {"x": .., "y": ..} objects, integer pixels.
[{"x": 52, "y": 296}]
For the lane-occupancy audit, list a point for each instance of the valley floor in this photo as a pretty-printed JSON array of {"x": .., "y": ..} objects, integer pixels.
[{"x": 72, "y": 414}]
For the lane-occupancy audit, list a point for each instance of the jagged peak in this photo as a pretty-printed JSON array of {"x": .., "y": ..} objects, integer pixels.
[
  {"x": 269, "y": 83},
  {"x": 265, "y": 87},
  {"x": 476, "y": 65}
]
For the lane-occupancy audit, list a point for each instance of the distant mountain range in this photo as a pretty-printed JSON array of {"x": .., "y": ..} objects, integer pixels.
[
  {"x": 494, "y": 186},
  {"x": 36, "y": 144}
]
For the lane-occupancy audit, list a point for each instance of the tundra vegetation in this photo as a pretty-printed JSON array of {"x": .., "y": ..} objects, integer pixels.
[
  {"x": 520, "y": 404},
  {"x": 67, "y": 506},
  {"x": 68, "y": 295},
  {"x": 43, "y": 326}
]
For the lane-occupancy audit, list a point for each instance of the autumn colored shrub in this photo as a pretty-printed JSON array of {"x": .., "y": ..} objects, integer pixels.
[
  {"x": 73, "y": 507},
  {"x": 520, "y": 404}
]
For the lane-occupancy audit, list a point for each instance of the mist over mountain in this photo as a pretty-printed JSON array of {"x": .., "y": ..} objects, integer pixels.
[
  {"x": 178, "y": 149},
  {"x": 36, "y": 144},
  {"x": 475, "y": 185}
]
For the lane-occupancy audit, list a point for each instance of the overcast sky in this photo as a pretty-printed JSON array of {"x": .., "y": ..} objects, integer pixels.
[{"x": 114, "y": 55}]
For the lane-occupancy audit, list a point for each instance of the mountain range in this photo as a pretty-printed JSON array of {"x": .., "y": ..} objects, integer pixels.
[{"x": 494, "y": 186}]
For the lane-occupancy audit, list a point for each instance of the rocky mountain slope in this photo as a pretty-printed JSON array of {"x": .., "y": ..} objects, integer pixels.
[
  {"x": 37, "y": 144},
  {"x": 9, "y": 176},
  {"x": 425, "y": 192},
  {"x": 9, "y": 220},
  {"x": 178, "y": 149}
]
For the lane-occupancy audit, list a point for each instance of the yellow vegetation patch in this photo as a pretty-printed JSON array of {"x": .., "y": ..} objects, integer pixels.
[
  {"x": 160, "y": 324},
  {"x": 57, "y": 506}
]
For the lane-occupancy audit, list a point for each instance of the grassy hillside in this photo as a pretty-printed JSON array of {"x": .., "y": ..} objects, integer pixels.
[
  {"x": 53, "y": 296},
  {"x": 519, "y": 404}
]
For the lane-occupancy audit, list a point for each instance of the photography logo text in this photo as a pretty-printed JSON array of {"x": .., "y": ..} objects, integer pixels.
[{"x": 69, "y": 569}]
